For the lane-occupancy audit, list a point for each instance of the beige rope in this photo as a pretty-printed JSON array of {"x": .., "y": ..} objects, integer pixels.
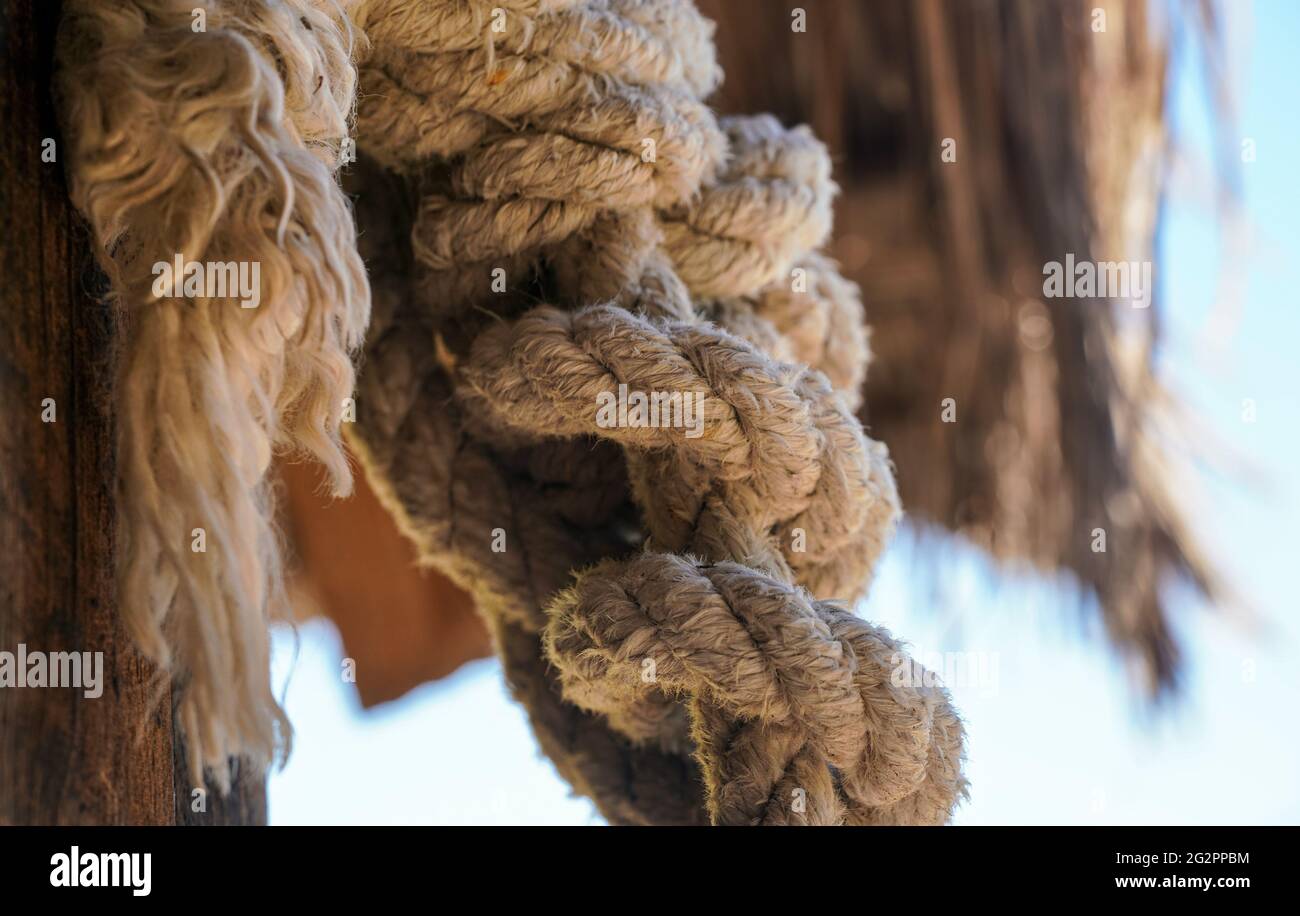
[
  {"x": 548, "y": 210},
  {"x": 765, "y": 704}
]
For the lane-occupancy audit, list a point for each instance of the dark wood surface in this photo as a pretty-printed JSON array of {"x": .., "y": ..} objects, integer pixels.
[{"x": 65, "y": 758}]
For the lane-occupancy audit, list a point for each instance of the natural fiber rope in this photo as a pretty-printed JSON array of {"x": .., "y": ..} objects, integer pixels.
[
  {"x": 767, "y": 705},
  {"x": 565, "y": 148}
]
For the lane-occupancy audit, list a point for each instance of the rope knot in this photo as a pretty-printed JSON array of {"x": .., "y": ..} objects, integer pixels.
[
  {"x": 784, "y": 696},
  {"x": 586, "y": 229}
]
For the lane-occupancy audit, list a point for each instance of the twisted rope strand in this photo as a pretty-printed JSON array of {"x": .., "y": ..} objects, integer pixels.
[
  {"x": 550, "y": 214},
  {"x": 780, "y": 707}
]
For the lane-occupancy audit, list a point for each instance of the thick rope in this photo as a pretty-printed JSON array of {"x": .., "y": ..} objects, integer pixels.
[
  {"x": 522, "y": 151},
  {"x": 780, "y": 686},
  {"x": 548, "y": 211}
]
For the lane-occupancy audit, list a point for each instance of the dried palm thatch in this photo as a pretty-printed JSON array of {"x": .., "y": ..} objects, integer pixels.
[{"x": 1060, "y": 137}]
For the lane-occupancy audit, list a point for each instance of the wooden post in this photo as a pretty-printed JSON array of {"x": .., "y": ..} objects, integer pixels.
[{"x": 66, "y": 758}]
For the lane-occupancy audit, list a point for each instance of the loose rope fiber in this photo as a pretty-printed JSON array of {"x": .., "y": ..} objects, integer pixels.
[
  {"x": 217, "y": 145},
  {"x": 550, "y": 213}
]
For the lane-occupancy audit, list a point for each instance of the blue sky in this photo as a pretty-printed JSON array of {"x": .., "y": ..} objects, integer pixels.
[{"x": 1056, "y": 734}]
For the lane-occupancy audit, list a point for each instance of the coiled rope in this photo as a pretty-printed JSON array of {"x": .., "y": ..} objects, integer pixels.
[
  {"x": 699, "y": 670},
  {"x": 548, "y": 212}
]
